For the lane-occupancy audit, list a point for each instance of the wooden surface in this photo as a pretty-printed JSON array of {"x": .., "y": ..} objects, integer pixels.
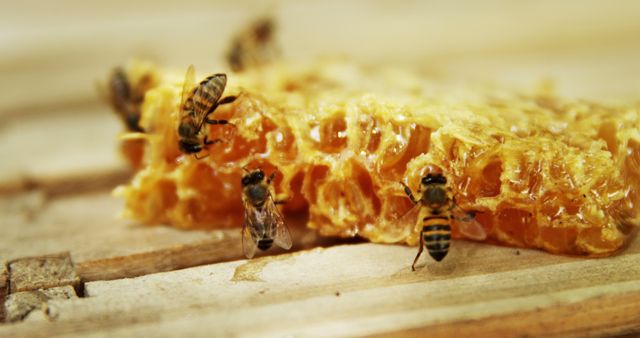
[
  {"x": 353, "y": 290},
  {"x": 58, "y": 164}
]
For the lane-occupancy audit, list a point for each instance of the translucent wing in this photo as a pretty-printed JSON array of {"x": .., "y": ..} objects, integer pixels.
[
  {"x": 404, "y": 225},
  {"x": 187, "y": 89},
  {"x": 467, "y": 225},
  {"x": 282, "y": 236},
  {"x": 249, "y": 244}
]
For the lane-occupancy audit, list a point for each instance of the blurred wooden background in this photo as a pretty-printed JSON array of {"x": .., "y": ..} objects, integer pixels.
[
  {"x": 58, "y": 163},
  {"x": 52, "y": 53}
]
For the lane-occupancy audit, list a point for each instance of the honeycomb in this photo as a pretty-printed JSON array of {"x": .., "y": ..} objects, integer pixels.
[{"x": 541, "y": 171}]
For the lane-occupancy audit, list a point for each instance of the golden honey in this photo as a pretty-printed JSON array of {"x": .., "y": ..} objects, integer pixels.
[{"x": 541, "y": 171}]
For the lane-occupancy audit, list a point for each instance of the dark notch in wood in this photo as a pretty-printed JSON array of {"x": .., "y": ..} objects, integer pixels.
[{"x": 4, "y": 289}]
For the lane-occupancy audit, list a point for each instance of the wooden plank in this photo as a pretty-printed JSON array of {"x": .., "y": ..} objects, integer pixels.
[
  {"x": 593, "y": 317},
  {"x": 66, "y": 151},
  {"x": 226, "y": 247},
  {"x": 354, "y": 290},
  {"x": 87, "y": 225},
  {"x": 42, "y": 272}
]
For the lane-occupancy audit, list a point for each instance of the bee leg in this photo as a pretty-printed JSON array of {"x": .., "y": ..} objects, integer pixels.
[
  {"x": 407, "y": 191},
  {"x": 281, "y": 199},
  {"x": 216, "y": 121},
  {"x": 271, "y": 177},
  {"x": 413, "y": 266},
  {"x": 227, "y": 99},
  {"x": 208, "y": 142}
]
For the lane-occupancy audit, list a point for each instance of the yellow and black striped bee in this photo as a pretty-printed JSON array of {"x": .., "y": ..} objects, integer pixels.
[
  {"x": 263, "y": 223},
  {"x": 126, "y": 98},
  {"x": 197, "y": 104},
  {"x": 434, "y": 212},
  {"x": 254, "y": 46}
]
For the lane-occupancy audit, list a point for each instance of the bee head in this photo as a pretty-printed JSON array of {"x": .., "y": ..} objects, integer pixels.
[
  {"x": 434, "y": 193},
  {"x": 253, "y": 177},
  {"x": 190, "y": 146},
  {"x": 133, "y": 122},
  {"x": 436, "y": 178}
]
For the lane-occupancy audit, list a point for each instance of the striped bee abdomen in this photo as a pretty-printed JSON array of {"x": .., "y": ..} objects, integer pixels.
[
  {"x": 209, "y": 92},
  {"x": 436, "y": 233},
  {"x": 265, "y": 243}
]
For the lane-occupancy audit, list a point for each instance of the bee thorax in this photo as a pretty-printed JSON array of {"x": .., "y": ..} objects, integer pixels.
[
  {"x": 186, "y": 129},
  {"x": 257, "y": 194},
  {"x": 435, "y": 195}
]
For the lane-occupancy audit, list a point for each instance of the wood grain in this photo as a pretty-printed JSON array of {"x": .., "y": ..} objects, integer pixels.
[
  {"x": 592, "y": 317},
  {"x": 226, "y": 247},
  {"x": 319, "y": 292}
]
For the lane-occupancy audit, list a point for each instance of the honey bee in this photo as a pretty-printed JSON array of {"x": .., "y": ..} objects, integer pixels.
[
  {"x": 197, "y": 103},
  {"x": 126, "y": 99},
  {"x": 434, "y": 213},
  {"x": 263, "y": 223},
  {"x": 253, "y": 46}
]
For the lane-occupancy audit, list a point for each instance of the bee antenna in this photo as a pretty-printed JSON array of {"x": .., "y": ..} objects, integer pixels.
[{"x": 244, "y": 167}]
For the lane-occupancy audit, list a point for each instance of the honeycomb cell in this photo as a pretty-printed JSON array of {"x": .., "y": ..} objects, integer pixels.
[
  {"x": 559, "y": 239},
  {"x": 487, "y": 183},
  {"x": 314, "y": 178},
  {"x": 331, "y": 134},
  {"x": 516, "y": 226}
]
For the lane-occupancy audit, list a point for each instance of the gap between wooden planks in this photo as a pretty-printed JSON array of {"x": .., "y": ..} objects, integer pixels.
[{"x": 353, "y": 290}]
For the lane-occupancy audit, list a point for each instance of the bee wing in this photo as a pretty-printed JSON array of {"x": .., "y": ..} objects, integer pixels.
[
  {"x": 282, "y": 236},
  {"x": 405, "y": 224},
  {"x": 187, "y": 86},
  {"x": 467, "y": 225},
  {"x": 249, "y": 244}
]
